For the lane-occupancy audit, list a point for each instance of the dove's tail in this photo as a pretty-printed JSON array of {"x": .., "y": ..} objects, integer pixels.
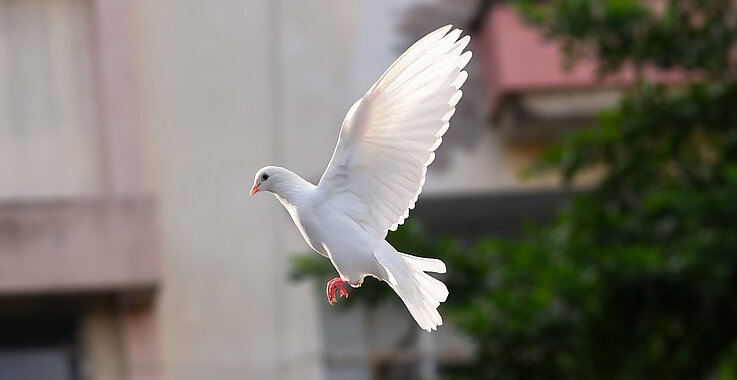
[{"x": 421, "y": 293}]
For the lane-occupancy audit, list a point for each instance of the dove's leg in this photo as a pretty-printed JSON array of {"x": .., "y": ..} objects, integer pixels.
[{"x": 334, "y": 285}]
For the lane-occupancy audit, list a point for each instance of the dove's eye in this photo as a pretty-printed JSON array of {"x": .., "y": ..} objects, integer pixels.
[{"x": 264, "y": 177}]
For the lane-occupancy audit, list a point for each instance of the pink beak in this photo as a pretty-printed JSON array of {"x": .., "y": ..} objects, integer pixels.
[{"x": 254, "y": 190}]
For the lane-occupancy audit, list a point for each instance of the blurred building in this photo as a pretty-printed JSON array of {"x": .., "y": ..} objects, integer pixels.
[
  {"x": 79, "y": 253},
  {"x": 130, "y": 131}
]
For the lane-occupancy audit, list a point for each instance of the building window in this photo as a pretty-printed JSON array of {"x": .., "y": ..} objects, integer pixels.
[{"x": 32, "y": 349}]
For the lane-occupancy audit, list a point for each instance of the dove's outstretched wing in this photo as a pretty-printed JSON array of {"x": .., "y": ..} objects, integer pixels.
[{"x": 389, "y": 136}]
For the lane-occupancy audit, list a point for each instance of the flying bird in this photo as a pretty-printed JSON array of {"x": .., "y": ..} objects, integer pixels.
[{"x": 376, "y": 173}]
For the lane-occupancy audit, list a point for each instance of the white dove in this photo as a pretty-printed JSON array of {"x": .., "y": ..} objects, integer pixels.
[{"x": 377, "y": 171}]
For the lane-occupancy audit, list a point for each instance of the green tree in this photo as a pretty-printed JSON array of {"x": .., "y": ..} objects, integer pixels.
[{"x": 636, "y": 278}]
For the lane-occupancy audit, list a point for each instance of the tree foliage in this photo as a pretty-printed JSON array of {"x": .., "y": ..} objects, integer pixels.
[{"x": 636, "y": 278}]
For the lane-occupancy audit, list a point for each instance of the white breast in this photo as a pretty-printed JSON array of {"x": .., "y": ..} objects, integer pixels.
[{"x": 306, "y": 222}]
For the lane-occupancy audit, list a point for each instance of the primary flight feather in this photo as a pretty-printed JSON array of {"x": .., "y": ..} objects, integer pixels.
[{"x": 377, "y": 171}]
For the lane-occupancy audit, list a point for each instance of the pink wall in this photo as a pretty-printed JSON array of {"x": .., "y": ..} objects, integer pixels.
[
  {"x": 518, "y": 59},
  {"x": 85, "y": 245}
]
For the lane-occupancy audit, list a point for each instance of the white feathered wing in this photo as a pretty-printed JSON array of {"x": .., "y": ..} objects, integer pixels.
[{"x": 387, "y": 140}]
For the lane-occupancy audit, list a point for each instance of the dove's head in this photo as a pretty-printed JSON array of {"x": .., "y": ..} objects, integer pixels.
[{"x": 274, "y": 179}]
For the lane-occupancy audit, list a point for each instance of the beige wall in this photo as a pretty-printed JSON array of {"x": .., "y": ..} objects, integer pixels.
[
  {"x": 503, "y": 151},
  {"x": 224, "y": 312},
  {"x": 101, "y": 344},
  {"x": 48, "y": 140}
]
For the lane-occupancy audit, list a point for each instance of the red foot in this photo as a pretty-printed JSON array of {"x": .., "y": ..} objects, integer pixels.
[{"x": 333, "y": 285}]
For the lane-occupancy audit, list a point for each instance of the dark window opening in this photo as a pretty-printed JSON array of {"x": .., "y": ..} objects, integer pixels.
[{"x": 38, "y": 347}]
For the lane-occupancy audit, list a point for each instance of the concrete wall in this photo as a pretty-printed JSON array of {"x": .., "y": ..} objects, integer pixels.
[
  {"x": 48, "y": 139},
  {"x": 224, "y": 310}
]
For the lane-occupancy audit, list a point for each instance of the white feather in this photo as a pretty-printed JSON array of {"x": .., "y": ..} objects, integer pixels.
[{"x": 402, "y": 116}]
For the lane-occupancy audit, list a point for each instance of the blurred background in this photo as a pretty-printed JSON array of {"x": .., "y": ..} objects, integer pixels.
[{"x": 583, "y": 197}]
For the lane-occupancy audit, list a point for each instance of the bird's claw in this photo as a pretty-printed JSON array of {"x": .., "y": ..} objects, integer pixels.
[{"x": 333, "y": 285}]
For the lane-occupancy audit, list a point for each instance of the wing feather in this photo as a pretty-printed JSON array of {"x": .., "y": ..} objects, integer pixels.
[{"x": 389, "y": 136}]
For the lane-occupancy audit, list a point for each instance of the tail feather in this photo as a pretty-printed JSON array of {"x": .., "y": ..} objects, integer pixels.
[
  {"x": 433, "y": 290},
  {"x": 424, "y": 264},
  {"x": 420, "y": 292}
]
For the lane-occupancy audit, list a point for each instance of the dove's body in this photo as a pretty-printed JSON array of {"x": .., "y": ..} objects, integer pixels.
[
  {"x": 318, "y": 222},
  {"x": 377, "y": 171}
]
